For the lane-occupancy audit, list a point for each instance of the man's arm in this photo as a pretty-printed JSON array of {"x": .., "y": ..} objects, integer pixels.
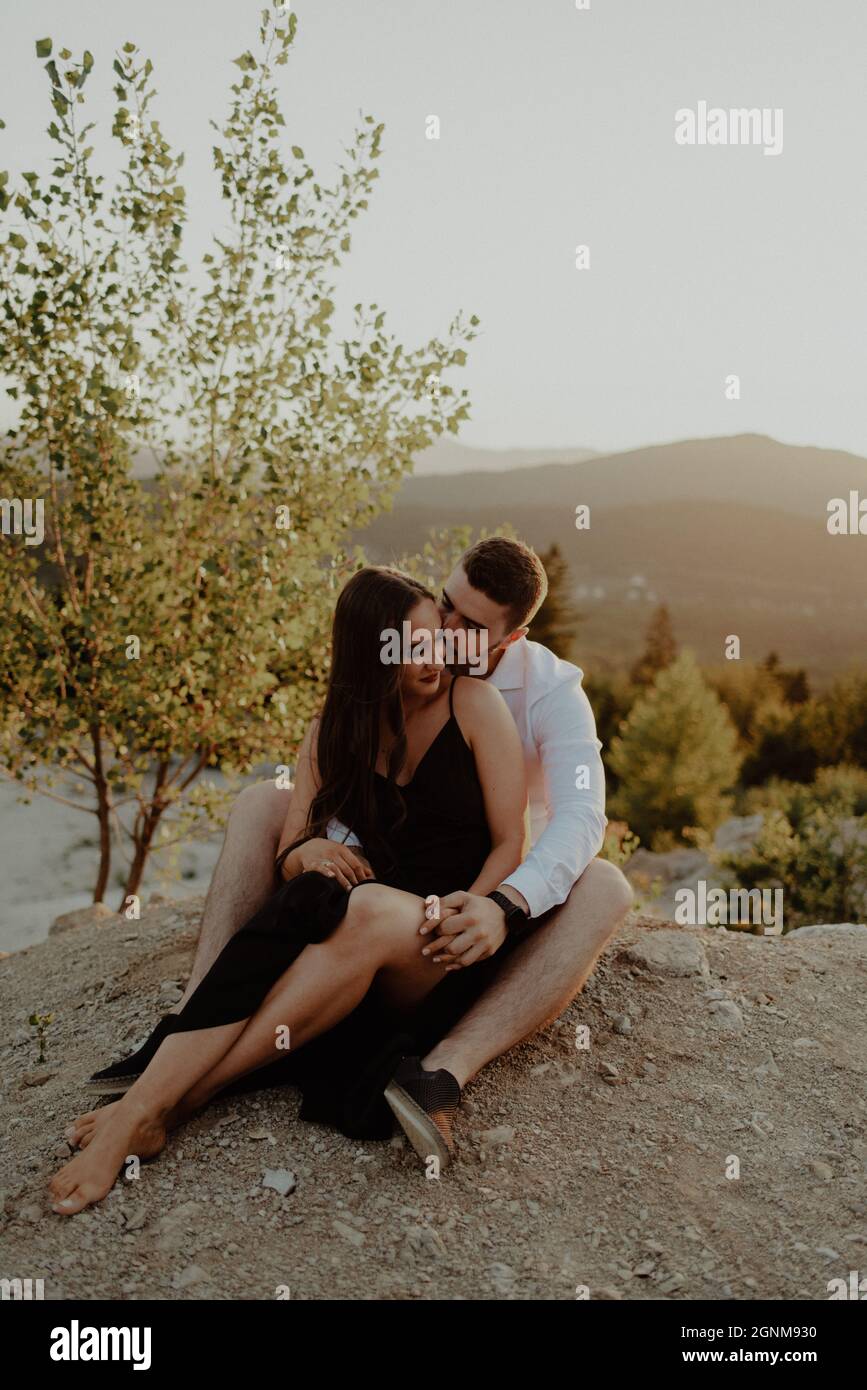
[{"x": 565, "y": 732}]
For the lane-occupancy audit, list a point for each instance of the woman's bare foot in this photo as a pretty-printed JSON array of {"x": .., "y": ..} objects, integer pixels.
[
  {"x": 117, "y": 1132},
  {"x": 82, "y": 1130}
]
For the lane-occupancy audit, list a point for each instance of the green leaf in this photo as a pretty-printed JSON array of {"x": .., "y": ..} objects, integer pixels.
[
  {"x": 87, "y": 60},
  {"x": 43, "y": 48}
]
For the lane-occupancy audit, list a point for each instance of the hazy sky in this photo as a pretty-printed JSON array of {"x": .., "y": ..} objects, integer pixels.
[{"x": 557, "y": 129}]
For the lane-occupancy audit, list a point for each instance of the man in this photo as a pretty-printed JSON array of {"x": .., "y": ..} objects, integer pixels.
[{"x": 575, "y": 901}]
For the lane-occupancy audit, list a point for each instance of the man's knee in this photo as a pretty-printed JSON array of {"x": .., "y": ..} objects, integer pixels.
[
  {"x": 260, "y": 810},
  {"x": 602, "y": 895},
  {"x": 611, "y": 884}
]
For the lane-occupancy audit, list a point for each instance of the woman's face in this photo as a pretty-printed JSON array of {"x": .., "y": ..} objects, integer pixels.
[{"x": 422, "y": 675}]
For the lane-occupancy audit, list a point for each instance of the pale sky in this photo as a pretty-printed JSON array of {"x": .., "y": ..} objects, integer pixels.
[{"x": 557, "y": 129}]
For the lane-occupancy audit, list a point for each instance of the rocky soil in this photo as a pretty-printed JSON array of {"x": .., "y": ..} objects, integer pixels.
[{"x": 607, "y": 1168}]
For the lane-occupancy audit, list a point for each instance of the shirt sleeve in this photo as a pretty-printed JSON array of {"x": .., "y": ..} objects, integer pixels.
[{"x": 564, "y": 731}]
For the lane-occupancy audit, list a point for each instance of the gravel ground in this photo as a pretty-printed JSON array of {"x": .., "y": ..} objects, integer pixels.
[{"x": 600, "y": 1169}]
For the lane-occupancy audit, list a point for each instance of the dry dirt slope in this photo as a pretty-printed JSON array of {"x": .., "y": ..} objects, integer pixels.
[{"x": 604, "y": 1167}]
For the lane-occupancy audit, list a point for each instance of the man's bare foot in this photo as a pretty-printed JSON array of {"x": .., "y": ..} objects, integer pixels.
[{"x": 117, "y": 1132}]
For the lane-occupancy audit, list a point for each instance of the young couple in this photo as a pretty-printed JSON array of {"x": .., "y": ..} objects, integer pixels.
[{"x": 404, "y": 931}]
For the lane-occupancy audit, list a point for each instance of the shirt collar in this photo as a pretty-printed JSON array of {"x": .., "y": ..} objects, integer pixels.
[{"x": 509, "y": 672}]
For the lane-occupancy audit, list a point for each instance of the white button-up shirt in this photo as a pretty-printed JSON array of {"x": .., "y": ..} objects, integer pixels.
[{"x": 565, "y": 775}]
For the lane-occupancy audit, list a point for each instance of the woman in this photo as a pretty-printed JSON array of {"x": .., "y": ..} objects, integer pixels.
[{"x": 327, "y": 987}]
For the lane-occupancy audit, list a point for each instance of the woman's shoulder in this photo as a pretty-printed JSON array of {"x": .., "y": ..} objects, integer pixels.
[{"x": 475, "y": 698}]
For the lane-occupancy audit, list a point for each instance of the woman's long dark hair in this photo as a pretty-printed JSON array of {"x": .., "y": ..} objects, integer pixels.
[{"x": 361, "y": 688}]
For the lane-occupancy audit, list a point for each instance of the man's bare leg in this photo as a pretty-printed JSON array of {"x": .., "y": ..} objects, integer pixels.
[
  {"x": 541, "y": 977},
  {"x": 243, "y": 880}
]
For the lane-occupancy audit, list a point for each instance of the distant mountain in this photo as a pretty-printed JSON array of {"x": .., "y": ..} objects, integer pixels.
[
  {"x": 747, "y": 468},
  {"x": 445, "y": 458},
  {"x": 731, "y": 533}
]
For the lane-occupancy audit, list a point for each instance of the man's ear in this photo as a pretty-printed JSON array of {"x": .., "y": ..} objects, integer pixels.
[{"x": 516, "y": 636}]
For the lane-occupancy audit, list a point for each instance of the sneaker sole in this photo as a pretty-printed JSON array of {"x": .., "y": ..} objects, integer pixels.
[
  {"x": 110, "y": 1088},
  {"x": 417, "y": 1125}
]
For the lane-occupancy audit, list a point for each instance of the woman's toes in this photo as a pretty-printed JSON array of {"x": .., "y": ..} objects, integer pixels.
[
  {"x": 62, "y": 1183},
  {"x": 69, "y": 1206}
]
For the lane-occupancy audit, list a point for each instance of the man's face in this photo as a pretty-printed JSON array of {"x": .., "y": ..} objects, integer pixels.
[{"x": 462, "y": 606}]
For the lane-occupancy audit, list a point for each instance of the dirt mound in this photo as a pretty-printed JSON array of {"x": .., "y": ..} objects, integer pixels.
[{"x": 608, "y": 1167}]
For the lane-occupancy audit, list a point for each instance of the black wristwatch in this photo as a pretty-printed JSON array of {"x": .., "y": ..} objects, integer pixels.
[{"x": 515, "y": 916}]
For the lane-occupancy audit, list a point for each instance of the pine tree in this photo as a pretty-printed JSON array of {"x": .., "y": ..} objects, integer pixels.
[
  {"x": 556, "y": 621},
  {"x": 660, "y": 648},
  {"x": 676, "y": 756}
]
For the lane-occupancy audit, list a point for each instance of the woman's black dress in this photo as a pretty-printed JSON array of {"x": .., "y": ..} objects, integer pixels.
[{"x": 439, "y": 847}]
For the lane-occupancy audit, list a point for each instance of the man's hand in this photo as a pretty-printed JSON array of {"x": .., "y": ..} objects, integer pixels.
[{"x": 471, "y": 928}]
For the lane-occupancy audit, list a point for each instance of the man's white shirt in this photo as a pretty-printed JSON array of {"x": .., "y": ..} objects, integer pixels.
[{"x": 565, "y": 774}]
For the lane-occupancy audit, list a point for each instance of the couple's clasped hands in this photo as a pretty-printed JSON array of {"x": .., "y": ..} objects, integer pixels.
[
  {"x": 468, "y": 928},
  {"x": 461, "y": 928}
]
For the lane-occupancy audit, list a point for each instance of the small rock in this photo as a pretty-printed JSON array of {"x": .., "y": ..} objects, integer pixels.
[
  {"x": 608, "y": 1069},
  {"x": 724, "y": 1013},
  {"x": 622, "y": 1024},
  {"x": 502, "y": 1134},
  {"x": 822, "y": 1170},
  {"x": 612, "y": 1295},
  {"x": 37, "y": 1078},
  {"x": 349, "y": 1233},
  {"x": 281, "y": 1180},
  {"x": 193, "y": 1274},
  {"x": 767, "y": 1068},
  {"x": 827, "y": 1251}
]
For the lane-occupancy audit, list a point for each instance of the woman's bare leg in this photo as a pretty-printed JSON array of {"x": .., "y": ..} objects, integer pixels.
[
  {"x": 395, "y": 962},
  {"x": 379, "y": 932}
]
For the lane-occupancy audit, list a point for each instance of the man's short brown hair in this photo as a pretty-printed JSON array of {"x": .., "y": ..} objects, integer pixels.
[{"x": 510, "y": 573}]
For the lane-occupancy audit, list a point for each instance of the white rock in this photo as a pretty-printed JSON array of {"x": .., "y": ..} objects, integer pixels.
[
  {"x": 822, "y": 1170},
  {"x": 828, "y": 929},
  {"x": 669, "y": 952},
  {"x": 280, "y": 1180},
  {"x": 193, "y": 1274},
  {"x": 493, "y": 1138},
  {"x": 349, "y": 1233},
  {"x": 724, "y": 1013}
]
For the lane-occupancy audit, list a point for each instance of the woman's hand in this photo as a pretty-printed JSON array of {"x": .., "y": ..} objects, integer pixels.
[{"x": 331, "y": 859}]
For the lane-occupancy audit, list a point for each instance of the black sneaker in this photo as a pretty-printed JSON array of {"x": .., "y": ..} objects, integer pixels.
[
  {"x": 425, "y": 1104},
  {"x": 117, "y": 1078}
]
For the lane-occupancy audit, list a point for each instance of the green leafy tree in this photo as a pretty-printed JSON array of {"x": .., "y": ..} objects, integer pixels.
[
  {"x": 168, "y": 627},
  {"x": 676, "y": 756},
  {"x": 556, "y": 622},
  {"x": 660, "y": 648},
  {"x": 821, "y": 865}
]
